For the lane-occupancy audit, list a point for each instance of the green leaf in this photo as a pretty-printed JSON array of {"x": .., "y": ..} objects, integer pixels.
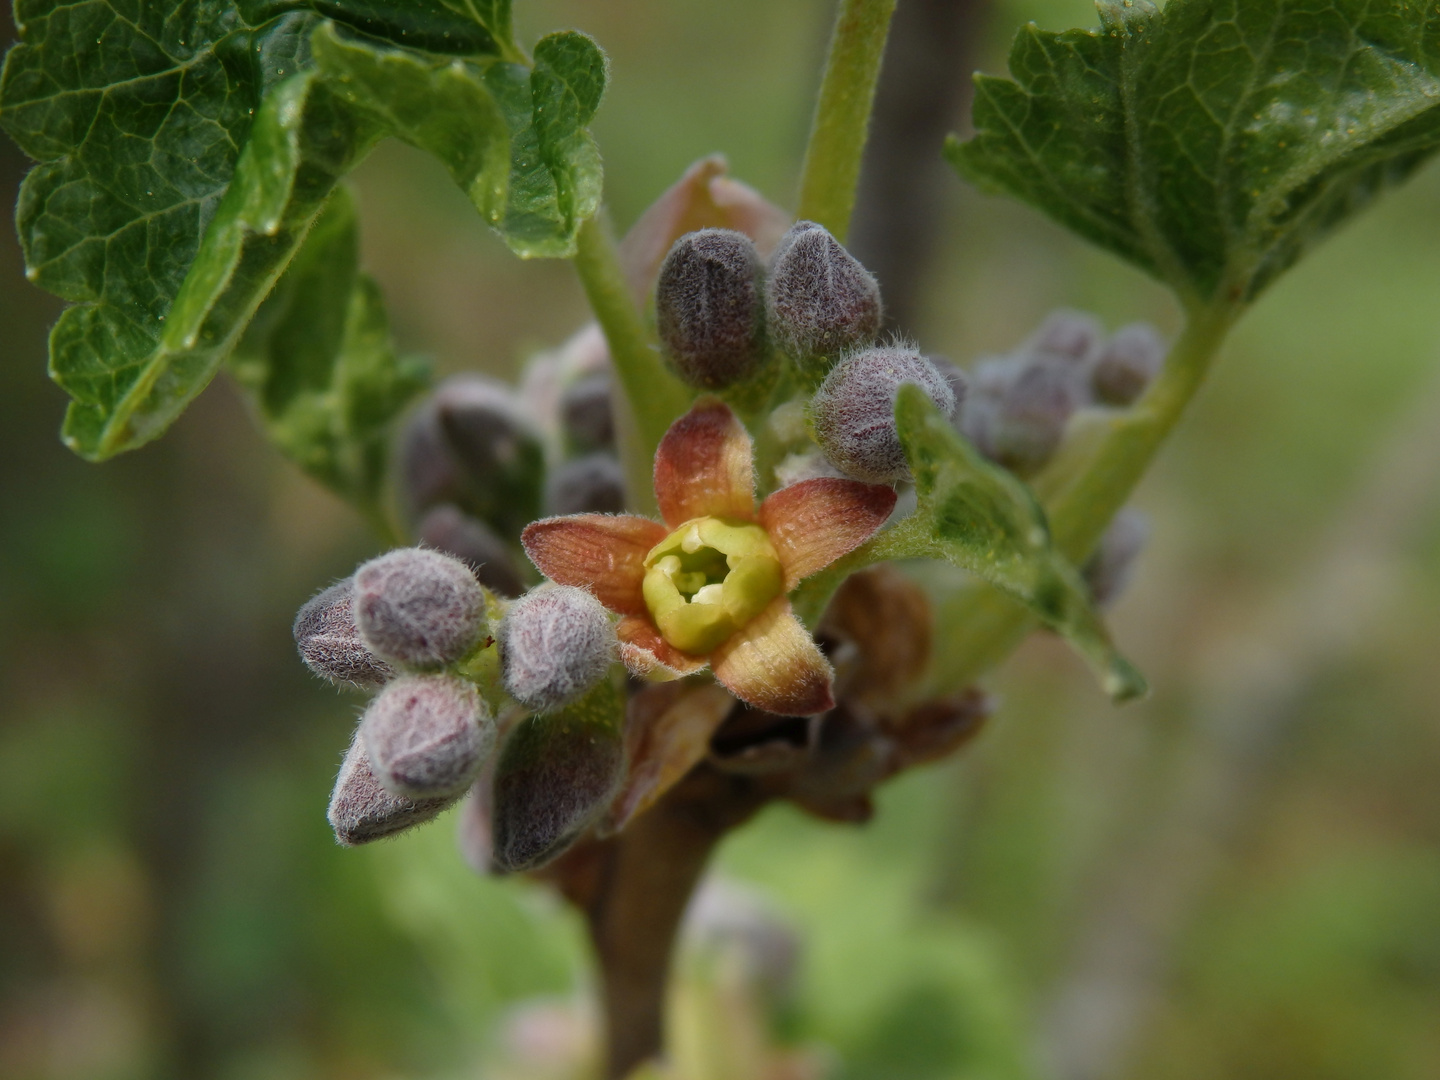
[
  {"x": 1211, "y": 143},
  {"x": 555, "y": 172},
  {"x": 982, "y": 519},
  {"x": 318, "y": 361},
  {"x": 186, "y": 149}
]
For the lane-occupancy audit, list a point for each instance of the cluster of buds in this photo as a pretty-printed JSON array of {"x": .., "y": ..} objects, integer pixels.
[
  {"x": 405, "y": 625},
  {"x": 462, "y": 659}
]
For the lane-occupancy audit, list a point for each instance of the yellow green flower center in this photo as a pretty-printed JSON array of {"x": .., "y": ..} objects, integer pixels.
[{"x": 709, "y": 578}]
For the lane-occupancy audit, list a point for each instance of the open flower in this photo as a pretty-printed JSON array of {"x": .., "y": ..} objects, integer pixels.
[{"x": 710, "y": 585}]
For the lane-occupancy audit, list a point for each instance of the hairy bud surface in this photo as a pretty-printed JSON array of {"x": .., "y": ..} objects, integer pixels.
[
  {"x": 449, "y": 529},
  {"x": 418, "y": 608},
  {"x": 427, "y": 735},
  {"x": 330, "y": 643},
  {"x": 556, "y": 642},
  {"x": 1033, "y": 413},
  {"x": 593, "y": 484},
  {"x": 853, "y": 412},
  {"x": 361, "y": 810},
  {"x": 555, "y": 776},
  {"x": 1127, "y": 363},
  {"x": 709, "y": 309},
  {"x": 820, "y": 302},
  {"x": 586, "y": 412}
]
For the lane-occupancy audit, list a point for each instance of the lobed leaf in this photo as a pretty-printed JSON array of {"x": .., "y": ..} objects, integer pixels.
[
  {"x": 185, "y": 149},
  {"x": 555, "y": 171},
  {"x": 1211, "y": 143},
  {"x": 318, "y": 361},
  {"x": 982, "y": 519}
]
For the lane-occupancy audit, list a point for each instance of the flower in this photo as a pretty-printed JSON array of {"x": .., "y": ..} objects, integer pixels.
[{"x": 710, "y": 585}]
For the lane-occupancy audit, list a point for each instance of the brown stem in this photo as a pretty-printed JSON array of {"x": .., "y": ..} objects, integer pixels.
[{"x": 633, "y": 889}]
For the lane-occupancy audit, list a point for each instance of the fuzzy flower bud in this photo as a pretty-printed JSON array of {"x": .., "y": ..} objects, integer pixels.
[
  {"x": 586, "y": 413},
  {"x": 1109, "y": 570},
  {"x": 418, "y": 608},
  {"x": 820, "y": 302},
  {"x": 1033, "y": 414},
  {"x": 555, "y": 777},
  {"x": 853, "y": 412},
  {"x": 556, "y": 642},
  {"x": 709, "y": 309},
  {"x": 330, "y": 643},
  {"x": 449, "y": 529},
  {"x": 361, "y": 810},
  {"x": 1066, "y": 335},
  {"x": 1127, "y": 363},
  {"x": 497, "y": 444},
  {"x": 427, "y": 735},
  {"x": 593, "y": 484}
]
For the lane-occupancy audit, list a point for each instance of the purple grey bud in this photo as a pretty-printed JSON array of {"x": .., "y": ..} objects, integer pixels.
[
  {"x": 556, "y": 642},
  {"x": 820, "y": 302},
  {"x": 418, "y": 608},
  {"x": 1069, "y": 335},
  {"x": 1109, "y": 569},
  {"x": 853, "y": 412},
  {"x": 1033, "y": 414},
  {"x": 449, "y": 529},
  {"x": 977, "y": 414},
  {"x": 709, "y": 309},
  {"x": 593, "y": 484},
  {"x": 330, "y": 643},
  {"x": 361, "y": 810},
  {"x": 428, "y": 470},
  {"x": 498, "y": 447},
  {"x": 556, "y": 775},
  {"x": 1127, "y": 363},
  {"x": 427, "y": 735},
  {"x": 586, "y": 413}
]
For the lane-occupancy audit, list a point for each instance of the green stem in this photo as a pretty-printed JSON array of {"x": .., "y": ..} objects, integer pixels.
[
  {"x": 982, "y": 626},
  {"x": 842, "y": 114},
  {"x": 653, "y": 397}
]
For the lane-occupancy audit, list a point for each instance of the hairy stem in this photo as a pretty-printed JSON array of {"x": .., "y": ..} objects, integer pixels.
[
  {"x": 986, "y": 626},
  {"x": 653, "y": 397},
  {"x": 842, "y": 114}
]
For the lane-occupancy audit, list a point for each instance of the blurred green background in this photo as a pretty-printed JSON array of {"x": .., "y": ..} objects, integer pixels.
[{"x": 1237, "y": 878}]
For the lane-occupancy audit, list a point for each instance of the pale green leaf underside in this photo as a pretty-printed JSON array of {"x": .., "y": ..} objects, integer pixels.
[
  {"x": 186, "y": 149},
  {"x": 1213, "y": 142},
  {"x": 319, "y": 364},
  {"x": 982, "y": 519}
]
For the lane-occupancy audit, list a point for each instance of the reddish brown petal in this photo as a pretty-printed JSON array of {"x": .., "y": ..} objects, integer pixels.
[
  {"x": 774, "y": 664},
  {"x": 704, "y": 466},
  {"x": 667, "y": 730},
  {"x": 703, "y": 198},
  {"x": 645, "y": 652},
  {"x": 814, "y": 522},
  {"x": 601, "y": 552}
]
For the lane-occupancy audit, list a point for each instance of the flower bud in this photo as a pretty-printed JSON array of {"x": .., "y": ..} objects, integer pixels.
[
  {"x": 1127, "y": 363},
  {"x": 709, "y": 310},
  {"x": 820, "y": 302},
  {"x": 555, "y": 777},
  {"x": 586, "y": 414},
  {"x": 853, "y": 412},
  {"x": 427, "y": 735},
  {"x": 449, "y": 529},
  {"x": 1033, "y": 414},
  {"x": 977, "y": 414},
  {"x": 361, "y": 810},
  {"x": 428, "y": 471},
  {"x": 498, "y": 447},
  {"x": 593, "y": 484},
  {"x": 556, "y": 642},
  {"x": 1066, "y": 335},
  {"x": 330, "y": 643},
  {"x": 418, "y": 608},
  {"x": 1110, "y": 568}
]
